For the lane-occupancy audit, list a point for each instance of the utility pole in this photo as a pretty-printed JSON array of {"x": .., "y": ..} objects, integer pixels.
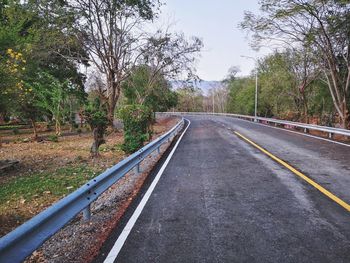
[
  {"x": 256, "y": 87},
  {"x": 213, "y": 102},
  {"x": 256, "y": 95}
]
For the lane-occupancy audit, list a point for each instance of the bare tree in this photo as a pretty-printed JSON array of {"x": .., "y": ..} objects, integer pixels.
[
  {"x": 112, "y": 35},
  {"x": 168, "y": 55}
]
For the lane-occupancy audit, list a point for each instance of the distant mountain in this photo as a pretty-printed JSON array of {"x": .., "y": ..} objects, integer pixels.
[{"x": 204, "y": 85}]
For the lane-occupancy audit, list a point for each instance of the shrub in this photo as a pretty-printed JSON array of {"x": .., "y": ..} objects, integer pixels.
[
  {"x": 11, "y": 127},
  {"x": 95, "y": 115},
  {"x": 48, "y": 127},
  {"x": 136, "y": 119},
  {"x": 15, "y": 131},
  {"x": 53, "y": 138}
]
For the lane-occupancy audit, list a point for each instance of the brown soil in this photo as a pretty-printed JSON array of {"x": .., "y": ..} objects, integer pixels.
[{"x": 46, "y": 156}]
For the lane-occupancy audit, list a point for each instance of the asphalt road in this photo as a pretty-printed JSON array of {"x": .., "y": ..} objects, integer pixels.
[{"x": 222, "y": 200}]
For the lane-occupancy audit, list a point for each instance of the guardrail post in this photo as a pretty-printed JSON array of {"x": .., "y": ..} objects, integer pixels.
[
  {"x": 158, "y": 150},
  {"x": 305, "y": 130},
  {"x": 87, "y": 213},
  {"x": 330, "y": 135},
  {"x": 138, "y": 168}
]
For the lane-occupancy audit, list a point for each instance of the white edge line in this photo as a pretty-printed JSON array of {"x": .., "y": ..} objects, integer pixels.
[
  {"x": 300, "y": 133},
  {"x": 112, "y": 255}
]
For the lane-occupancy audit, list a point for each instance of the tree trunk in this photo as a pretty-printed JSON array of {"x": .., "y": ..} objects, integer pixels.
[
  {"x": 2, "y": 121},
  {"x": 110, "y": 114},
  {"x": 58, "y": 127},
  {"x": 305, "y": 108},
  {"x": 2, "y": 118},
  {"x": 113, "y": 96},
  {"x": 98, "y": 133},
  {"x": 345, "y": 119},
  {"x": 35, "y": 131}
]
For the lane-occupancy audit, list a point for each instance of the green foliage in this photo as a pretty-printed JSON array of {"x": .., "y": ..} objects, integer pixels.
[
  {"x": 51, "y": 94},
  {"x": 96, "y": 116},
  {"x": 136, "y": 120},
  {"x": 189, "y": 99},
  {"x": 241, "y": 95},
  {"x": 52, "y": 138},
  {"x": 321, "y": 28},
  {"x": 15, "y": 131},
  {"x": 146, "y": 87},
  {"x": 11, "y": 127},
  {"x": 33, "y": 46},
  {"x": 278, "y": 90}
]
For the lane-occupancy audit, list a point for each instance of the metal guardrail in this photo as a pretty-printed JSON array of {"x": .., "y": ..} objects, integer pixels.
[
  {"x": 306, "y": 127},
  {"x": 21, "y": 242}
]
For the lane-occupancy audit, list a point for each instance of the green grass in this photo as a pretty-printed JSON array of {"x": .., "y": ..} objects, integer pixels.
[
  {"x": 59, "y": 183},
  {"x": 11, "y": 127},
  {"x": 112, "y": 148}
]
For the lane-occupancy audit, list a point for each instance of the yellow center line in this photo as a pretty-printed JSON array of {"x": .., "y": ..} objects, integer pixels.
[{"x": 301, "y": 175}]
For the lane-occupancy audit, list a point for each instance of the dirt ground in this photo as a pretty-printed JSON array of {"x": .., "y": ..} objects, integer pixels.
[{"x": 71, "y": 152}]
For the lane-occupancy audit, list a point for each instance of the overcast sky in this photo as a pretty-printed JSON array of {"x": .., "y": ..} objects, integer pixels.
[{"x": 216, "y": 23}]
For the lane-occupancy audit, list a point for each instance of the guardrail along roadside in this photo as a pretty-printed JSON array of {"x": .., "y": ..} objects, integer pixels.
[
  {"x": 330, "y": 131},
  {"x": 21, "y": 242}
]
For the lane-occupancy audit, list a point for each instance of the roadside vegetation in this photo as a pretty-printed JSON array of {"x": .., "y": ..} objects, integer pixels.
[
  {"x": 306, "y": 76},
  {"x": 49, "y": 170},
  {"x": 64, "y": 82}
]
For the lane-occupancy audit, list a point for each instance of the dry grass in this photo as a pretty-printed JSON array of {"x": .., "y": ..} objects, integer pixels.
[{"x": 47, "y": 171}]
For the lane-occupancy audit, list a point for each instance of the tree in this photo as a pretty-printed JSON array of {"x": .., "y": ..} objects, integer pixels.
[
  {"x": 171, "y": 54},
  {"x": 95, "y": 115},
  {"x": 190, "y": 99},
  {"x": 231, "y": 75},
  {"x": 241, "y": 95},
  {"x": 7, "y": 82},
  {"x": 30, "y": 39},
  {"x": 52, "y": 95},
  {"x": 144, "y": 88},
  {"x": 12, "y": 57},
  {"x": 110, "y": 34},
  {"x": 305, "y": 71},
  {"x": 321, "y": 26}
]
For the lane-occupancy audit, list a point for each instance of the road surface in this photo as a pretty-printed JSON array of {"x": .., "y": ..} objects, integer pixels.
[{"x": 222, "y": 200}]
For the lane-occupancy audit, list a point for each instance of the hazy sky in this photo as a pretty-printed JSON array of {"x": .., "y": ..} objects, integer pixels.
[{"x": 216, "y": 23}]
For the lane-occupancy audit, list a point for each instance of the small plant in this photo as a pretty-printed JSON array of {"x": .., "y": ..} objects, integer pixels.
[
  {"x": 79, "y": 131},
  {"x": 15, "y": 131},
  {"x": 52, "y": 138},
  {"x": 48, "y": 126},
  {"x": 9, "y": 127},
  {"x": 118, "y": 147}
]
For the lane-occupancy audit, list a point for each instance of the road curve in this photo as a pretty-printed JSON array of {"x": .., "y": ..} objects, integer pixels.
[{"x": 222, "y": 200}]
